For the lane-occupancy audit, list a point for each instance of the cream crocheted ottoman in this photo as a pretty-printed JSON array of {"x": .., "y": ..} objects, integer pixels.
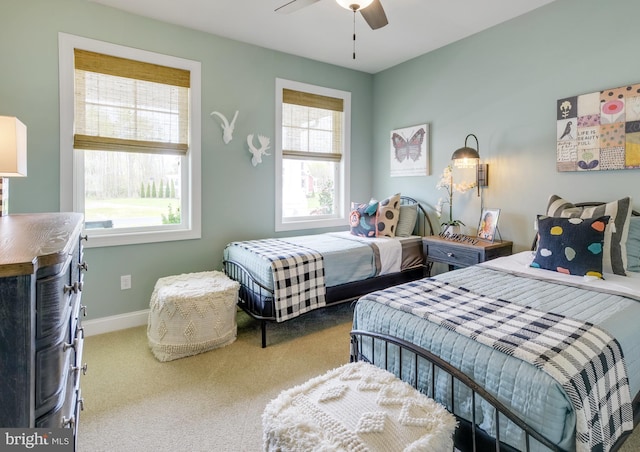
[
  {"x": 192, "y": 313},
  {"x": 356, "y": 407}
]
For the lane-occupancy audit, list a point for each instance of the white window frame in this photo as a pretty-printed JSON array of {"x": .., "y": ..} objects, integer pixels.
[
  {"x": 72, "y": 161},
  {"x": 343, "y": 192}
]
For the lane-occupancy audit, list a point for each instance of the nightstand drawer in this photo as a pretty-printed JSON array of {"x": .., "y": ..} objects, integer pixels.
[
  {"x": 459, "y": 257},
  {"x": 462, "y": 253}
]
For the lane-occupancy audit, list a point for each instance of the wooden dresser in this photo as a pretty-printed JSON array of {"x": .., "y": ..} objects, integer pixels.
[{"x": 41, "y": 278}]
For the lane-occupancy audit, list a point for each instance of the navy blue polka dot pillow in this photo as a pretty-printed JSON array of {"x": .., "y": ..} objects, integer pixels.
[{"x": 571, "y": 245}]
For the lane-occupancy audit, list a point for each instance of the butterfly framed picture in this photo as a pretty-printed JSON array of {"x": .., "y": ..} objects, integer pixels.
[{"x": 409, "y": 149}]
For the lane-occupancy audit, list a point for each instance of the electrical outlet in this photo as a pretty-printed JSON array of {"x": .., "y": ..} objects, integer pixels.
[{"x": 125, "y": 282}]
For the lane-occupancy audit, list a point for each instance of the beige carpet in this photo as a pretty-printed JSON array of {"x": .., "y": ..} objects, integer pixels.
[{"x": 212, "y": 401}]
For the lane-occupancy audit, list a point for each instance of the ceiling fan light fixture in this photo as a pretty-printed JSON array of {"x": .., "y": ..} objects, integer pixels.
[{"x": 354, "y": 5}]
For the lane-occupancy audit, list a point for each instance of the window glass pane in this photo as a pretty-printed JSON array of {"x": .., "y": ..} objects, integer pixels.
[
  {"x": 308, "y": 188},
  {"x": 124, "y": 189}
]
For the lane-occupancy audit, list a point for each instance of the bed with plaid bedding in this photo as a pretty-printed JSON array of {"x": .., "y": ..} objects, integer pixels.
[
  {"x": 529, "y": 392},
  {"x": 583, "y": 358},
  {"x": 298, "y": 276}
]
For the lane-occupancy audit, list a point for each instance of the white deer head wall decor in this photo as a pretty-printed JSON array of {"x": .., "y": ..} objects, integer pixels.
[
  {"x": 227, "y": 128},
  {"x": 258, "y": 152}
]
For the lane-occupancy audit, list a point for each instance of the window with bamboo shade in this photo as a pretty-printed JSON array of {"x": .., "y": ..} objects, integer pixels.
[
  {"x": 135, "y": 146},
  {"x": 312, "y": 163}
]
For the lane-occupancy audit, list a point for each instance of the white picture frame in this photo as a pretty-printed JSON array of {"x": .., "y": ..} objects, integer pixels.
[{"x": 409, "y": 151}]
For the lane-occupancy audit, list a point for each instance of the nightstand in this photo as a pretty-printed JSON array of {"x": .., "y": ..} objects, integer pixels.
[{"x": 462, "y": 254}]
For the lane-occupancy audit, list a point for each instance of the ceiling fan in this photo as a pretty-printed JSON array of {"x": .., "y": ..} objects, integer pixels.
[{"x": 371, "y": 10}]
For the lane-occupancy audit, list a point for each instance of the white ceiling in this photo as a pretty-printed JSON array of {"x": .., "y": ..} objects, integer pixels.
[{"x": 323, "y": 31}]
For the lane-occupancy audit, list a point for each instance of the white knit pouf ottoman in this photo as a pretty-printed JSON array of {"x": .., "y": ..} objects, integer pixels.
[
  {"x": 356, "y": 407},
  {"x": 192, "y": 313}
]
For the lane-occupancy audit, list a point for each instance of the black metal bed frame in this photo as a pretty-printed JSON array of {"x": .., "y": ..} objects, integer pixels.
[
  {"x": 469, "y": 436},
  {"x": 258, "y": 300}
]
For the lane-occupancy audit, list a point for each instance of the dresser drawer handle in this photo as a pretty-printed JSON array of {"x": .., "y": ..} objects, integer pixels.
[
  {"x": 72, "y": 288},
  {"x": 73, "y": 345},
  {"x": 82, "y": 266},
  {"x": 70, "y": 422},
  {"x": 75, "y": 369},
  {"x": 83, "y": 308},
  {"x": 84, "y": 237}
]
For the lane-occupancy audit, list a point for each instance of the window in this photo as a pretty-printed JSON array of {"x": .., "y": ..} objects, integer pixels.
[
  {"x": 129, "y": 142},
  {"x": 312, "y": 156}
]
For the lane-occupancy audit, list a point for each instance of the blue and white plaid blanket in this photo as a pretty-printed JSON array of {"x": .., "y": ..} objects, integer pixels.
[
  {"x": 582, "y": 357},
  {"x": 298, "y": 276}
]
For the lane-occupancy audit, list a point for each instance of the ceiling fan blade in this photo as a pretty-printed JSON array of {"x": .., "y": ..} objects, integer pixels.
[
  {"x": 374, "y": 15},
  {"x": 294, "y": 5}
]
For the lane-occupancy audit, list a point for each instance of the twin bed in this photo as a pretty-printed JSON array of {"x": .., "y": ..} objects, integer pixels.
[
  {"x": 560, "y": 353},
  {"x": 559, "y": 380},
  {"x": 281, "y": 279}
]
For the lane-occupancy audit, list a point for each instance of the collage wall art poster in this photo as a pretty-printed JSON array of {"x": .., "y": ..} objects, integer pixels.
[
  {"x": 410, "y": 151},
  {"x": 599, "y": 131}
]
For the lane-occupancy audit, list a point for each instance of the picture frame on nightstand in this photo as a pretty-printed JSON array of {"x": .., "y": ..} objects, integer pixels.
[{"x": 488, "y": 224}]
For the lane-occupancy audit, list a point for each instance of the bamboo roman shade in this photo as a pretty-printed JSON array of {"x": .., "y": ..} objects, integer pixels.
[
  {"x": 130, "y": 106},
  {"x": 312, "y": 126}
]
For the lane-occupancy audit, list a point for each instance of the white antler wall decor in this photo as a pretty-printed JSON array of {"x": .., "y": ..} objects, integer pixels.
[
  {"x": 258, "y": 152},
  {"x": 227, "y": 128}
]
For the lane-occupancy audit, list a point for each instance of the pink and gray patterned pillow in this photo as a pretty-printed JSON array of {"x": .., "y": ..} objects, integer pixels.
[{"x": 362, "y": 218}]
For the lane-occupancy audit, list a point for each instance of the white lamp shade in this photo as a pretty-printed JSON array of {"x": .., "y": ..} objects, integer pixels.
[
  {"x": 354, "y": 5},
  {"x": 13, "y": 147}
]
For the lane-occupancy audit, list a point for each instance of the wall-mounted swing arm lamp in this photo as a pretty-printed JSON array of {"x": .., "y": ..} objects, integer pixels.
[
  {"x": 467, "y": 157},
  {"x": 13, "y": 155}
]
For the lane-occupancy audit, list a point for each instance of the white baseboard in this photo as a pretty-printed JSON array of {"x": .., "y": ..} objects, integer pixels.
[{"x": 115, "y": 322}]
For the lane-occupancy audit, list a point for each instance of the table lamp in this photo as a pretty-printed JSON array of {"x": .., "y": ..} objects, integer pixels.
[{"x": 13, "y": 155}]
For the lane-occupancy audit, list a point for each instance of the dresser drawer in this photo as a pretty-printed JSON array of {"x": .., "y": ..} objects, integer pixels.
[
  {"x": 63, "y": 415},
  {"x": 53, "y": 370},
  {"x": 53, "y": 299},
  {"x": 460, "y": 257}
]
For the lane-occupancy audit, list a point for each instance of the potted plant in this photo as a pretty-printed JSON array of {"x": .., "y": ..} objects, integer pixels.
[{"x": 450, "y": 225}]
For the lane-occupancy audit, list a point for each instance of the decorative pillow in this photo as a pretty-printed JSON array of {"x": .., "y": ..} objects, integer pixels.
[
  {"x": 573, "y": 246},
  {"x": 633, "y": 245},
  {"x": 407, "y": 220},
  {"x": 388, "y": 215},
  {"x": 362, "y": 218},
  {"x": 615, "y": 237}
]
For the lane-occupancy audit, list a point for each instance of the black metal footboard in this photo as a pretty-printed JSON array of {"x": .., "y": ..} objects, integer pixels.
[
  {"x": 253, "y": 297},
  {"x": 441, "y": 381}
]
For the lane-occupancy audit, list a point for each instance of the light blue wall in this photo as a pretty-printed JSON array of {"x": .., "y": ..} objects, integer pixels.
[
  {"x": 237, "y": 199},
  {"x": 502, "y": 85}
]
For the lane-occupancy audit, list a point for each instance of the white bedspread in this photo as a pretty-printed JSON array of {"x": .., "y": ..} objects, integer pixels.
[{"x": 519, "y": 264}]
